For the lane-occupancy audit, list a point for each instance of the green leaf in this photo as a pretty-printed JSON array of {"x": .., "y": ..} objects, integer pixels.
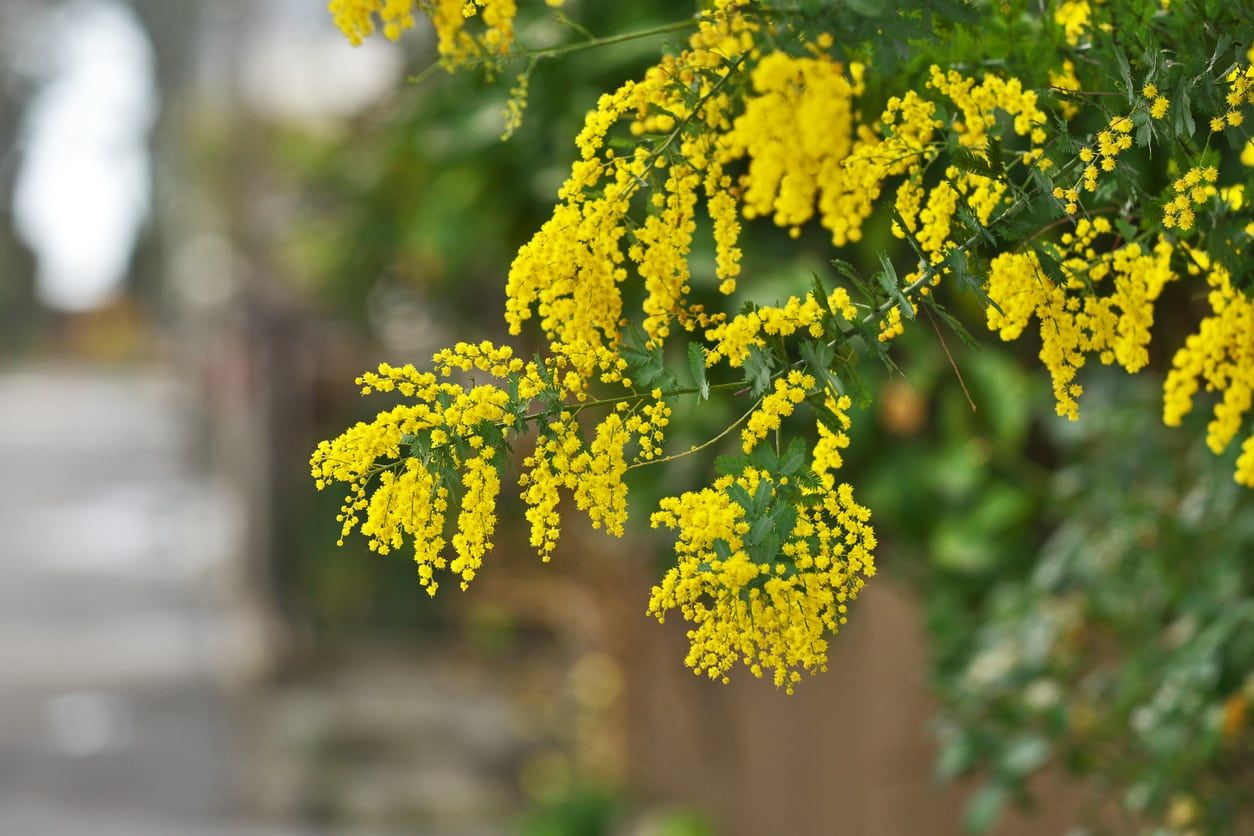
[
  {"x": 757, "y": 533},
  {"x": 1125, "y": 72},
  {"x": 769, "y": 549},
  {"x": 1182, "y": 122},
  {"x": 764, "y": 458},
  {"x": 827, "y": 417},
  {"x": 761, "y": 497},
  {"x": 794, "y": 457},
  {"x": 985, "y": 807},
  {"x": 730, "y": 465},
  {"x": 696, "y": 364},
  {"x": 820, "y": 296},
  {"x": 785, "y": 520},
  {"x": 646, "y": 366},
  {"x": 892, "y": 285},
  {"x": 758, "y": 367},
  {"x": 1049, "y": 265},
  {"x": 847, "y": 270},
  {"x": 818, "y": 359},
  {"x": 972, "y": 164},
  {"x": 740, "y": 496},
  {"x": 960, "y": 268}
]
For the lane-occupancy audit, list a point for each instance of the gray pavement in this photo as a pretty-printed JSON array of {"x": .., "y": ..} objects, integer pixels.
[{"x": 114, "y": 632}]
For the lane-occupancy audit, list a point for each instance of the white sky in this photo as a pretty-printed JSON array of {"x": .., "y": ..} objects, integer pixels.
[{"x": 83, "y": 190}]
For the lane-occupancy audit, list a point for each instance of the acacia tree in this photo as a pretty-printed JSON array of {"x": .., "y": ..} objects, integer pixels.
[{"x": 1067, "y": 166}]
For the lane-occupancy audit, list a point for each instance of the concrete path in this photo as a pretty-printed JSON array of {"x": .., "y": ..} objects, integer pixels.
[{"x": 113, "y": 639}]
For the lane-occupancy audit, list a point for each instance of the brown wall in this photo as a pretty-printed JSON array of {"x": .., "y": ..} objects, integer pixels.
[{"x": 849, "y": 753}]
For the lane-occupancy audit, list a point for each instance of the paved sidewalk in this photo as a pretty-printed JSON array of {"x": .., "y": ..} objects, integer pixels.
[{"x": 113, "y": 646}]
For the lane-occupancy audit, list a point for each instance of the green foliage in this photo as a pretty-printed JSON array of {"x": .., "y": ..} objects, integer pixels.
[
  {"x": 1044, "y": 589},
  {"x": 1116, "y": 640}
]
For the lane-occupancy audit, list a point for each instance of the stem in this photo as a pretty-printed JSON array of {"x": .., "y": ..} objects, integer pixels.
[
  {"x": 637, "y": 396},
  {"x": 953, "y": 365},
  {"x": 702, "y": 446},
  {"x": 519, "y": 51}
]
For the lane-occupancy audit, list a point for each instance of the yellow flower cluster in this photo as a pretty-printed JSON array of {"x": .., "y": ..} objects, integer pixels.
[
  {"x": 1158, "y": 103},
  {"x": 790, "y": 390},
  {"x": 1240, "y": 92},
  {"x": 1073, "y": 16},
  {"x": 356, "y": 19},
  {"x": 399, "y": 467},
  {"x": 592, "y": 473},
  {"x": 934, "y": 220},
  {"x": 1065, "y": 78},
  {"x": 772, "y": 613},
  {"x": 569, "y": 273},
  {"x": 1193, "y": 189},
  {"x": 1221, "y": 353},
  {"x": 979, "y": 104},
  {"x": 1112, "y": 141},
  {"x": 827, "y": 457},
  {"x": 661, "y": 249},
  {"x": 1074, "y": 320},
  {"x": 407, "y": 448},
  {"x": 797, "y": 129},
  {"x": 648, "y": 421},
  {"x": 733, "y": 339}
]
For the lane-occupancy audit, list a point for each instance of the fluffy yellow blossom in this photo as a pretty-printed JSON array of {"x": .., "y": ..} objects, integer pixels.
[
  {"x": 778, "y": 404},
  {"x": 1240, "y": 92},
  {"x": 1245, "y": 463},
  {"x": 356, "y": 19},
  {"x": 1065, "y": 78},
  {"x": 661, "y": 250},
  {"x": 979, "y": 103},
  {"x": 570, "y": 273},
  {"x": 724, "y": 214},
  {"x": 407, "y": 449},
  {"x": 592, "y": 473},
  {"x": 796, "y": 130},
  {"x": 1074, "y": 320},
  {"x": 1193, "y": 189},
  {"x": 1111, "y": 142},
  {"x": 1247, "y": 153},
  {"x": 648, "y": 422},
  {"x": 399, "y": 467},
  {"x": 732, "y": 340},
  {"x": 476, "y": 522},
  {"x": 763, "y": 580},
  {"x": 934, "y": 220},
  {"x": 1073, "y": 16},
  {"x": 1220, "y": 355},
  {"x": 827, "y": 456}
]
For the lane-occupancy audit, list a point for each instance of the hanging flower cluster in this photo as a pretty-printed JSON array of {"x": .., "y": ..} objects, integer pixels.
[{"x": 763, "y": 114}]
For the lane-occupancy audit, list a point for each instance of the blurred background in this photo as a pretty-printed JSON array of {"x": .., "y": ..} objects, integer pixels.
[{"x": 213, "y": 216}]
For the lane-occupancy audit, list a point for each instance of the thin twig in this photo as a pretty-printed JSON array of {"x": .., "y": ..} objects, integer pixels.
[
  {"x": 952, "y": 364},
  {"x": 702, "y": 446}
]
